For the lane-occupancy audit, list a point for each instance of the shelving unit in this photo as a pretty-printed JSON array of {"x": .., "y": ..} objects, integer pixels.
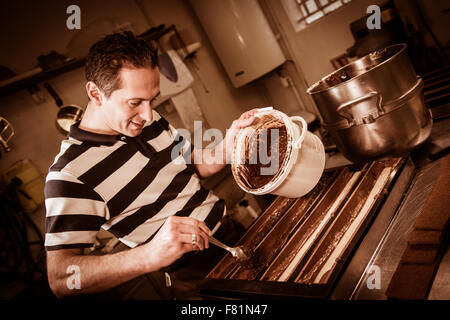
[{"x": 151, "y": 34}]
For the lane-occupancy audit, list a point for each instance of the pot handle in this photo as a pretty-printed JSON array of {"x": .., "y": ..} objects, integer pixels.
[
  {"x": 297, "y": 144},
  {"x": 53, "y": 93},
  {"x": 342, "y": 109}
]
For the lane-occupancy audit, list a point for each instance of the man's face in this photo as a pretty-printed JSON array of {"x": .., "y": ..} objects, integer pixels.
[{"x": 130, "y": 107}]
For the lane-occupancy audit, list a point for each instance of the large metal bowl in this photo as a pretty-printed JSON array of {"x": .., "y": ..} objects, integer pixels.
[{"x": 374, "y": 107}]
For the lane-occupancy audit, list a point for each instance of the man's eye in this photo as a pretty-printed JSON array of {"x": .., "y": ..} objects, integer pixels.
[{"x": 135, "y": 103}]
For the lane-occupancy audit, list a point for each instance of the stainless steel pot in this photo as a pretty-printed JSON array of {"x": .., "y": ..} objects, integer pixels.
[{"x": 374, "y": 107}]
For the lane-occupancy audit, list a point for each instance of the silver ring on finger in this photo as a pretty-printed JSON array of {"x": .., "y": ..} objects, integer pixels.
[{"x": 194, "y": 239}]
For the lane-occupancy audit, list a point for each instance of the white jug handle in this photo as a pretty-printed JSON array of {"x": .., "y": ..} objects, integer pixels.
[{"x": 298, "y": 143}]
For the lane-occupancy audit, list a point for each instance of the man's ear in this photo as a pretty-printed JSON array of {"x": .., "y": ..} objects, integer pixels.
[{"x": 94, "y": 93}]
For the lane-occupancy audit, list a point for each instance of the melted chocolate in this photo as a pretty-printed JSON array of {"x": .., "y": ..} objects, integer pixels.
[
  {"x": 329, "y": 196},
  {"x": 347, "y": 215},
  {"x": 254, "y": 235},
  {"x": 260, "y": 143},
  {"x": 253, "y": 260}
]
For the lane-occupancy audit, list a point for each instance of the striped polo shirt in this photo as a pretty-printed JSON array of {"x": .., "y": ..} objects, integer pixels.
[{"x": 126, "y": 185}]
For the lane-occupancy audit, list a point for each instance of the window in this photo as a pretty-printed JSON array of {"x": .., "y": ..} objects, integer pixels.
[{"x": 312, "y": 10}]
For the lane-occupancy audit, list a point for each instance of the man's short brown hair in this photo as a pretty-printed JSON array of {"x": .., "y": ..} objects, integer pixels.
[{"x": 107, "y": 56}]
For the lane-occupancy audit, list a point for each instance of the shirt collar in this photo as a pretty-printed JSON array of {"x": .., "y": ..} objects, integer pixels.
[{"x": 92, "y": 137}]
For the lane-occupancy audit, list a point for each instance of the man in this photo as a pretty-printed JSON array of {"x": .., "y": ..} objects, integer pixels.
[{"x": 116, "y": 171}]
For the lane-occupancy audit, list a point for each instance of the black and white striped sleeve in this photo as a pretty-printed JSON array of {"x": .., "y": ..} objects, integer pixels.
[{"x": 74, "y": 212}]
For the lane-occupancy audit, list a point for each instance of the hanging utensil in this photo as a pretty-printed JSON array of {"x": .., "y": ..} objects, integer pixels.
[
  {"x": 166, "y": 67},
  {"x": 67, "y": 114},
  {"x": 6, "y": 133}
]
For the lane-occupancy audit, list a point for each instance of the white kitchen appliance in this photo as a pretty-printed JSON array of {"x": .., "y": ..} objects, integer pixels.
[{"x": 241, "y": 37}]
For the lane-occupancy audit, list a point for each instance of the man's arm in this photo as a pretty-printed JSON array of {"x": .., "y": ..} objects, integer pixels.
[
  {"x": 208, "y": 162},
  {"x": 100, "y": 273},
  {"x": 97, "y": 273}
]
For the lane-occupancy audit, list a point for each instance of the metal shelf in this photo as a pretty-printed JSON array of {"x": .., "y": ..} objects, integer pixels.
[
  {"x": 30, "y": 81},
  {"x": 151, "y": 34}
]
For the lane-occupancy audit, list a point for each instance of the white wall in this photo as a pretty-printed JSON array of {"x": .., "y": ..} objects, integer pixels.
[{"x": 323, "y": 40}]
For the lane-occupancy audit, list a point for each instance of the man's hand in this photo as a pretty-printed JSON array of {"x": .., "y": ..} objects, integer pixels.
[
  {"x": 245, "y": 120},
  {"x": 101, "y": 273},
  {"x": 175, "y": 238},
  {"x": 214, "y": 160}
]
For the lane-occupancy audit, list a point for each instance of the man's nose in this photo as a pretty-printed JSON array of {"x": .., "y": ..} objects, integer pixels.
[{"x": 145, "y": 111}]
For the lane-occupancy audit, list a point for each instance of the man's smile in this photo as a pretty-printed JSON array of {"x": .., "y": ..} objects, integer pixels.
[{"x": 137, "y": 125}]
